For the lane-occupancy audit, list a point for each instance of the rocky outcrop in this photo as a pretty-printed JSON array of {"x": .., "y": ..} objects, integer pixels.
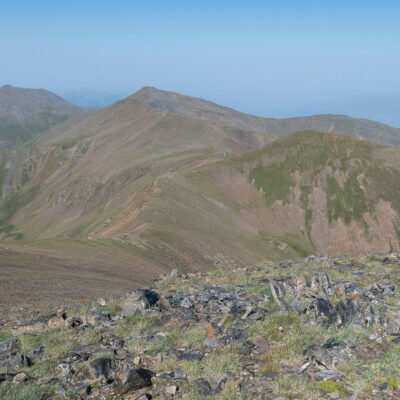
[
  {"x": 215, "y": 336},
  {"x": 338, "y": 304}
]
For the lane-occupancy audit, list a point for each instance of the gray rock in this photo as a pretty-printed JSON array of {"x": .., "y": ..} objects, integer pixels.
[
  {"x": 20, "y": 378},
  {"x": 134, "y": 379},
  {"x": 202, "y": 386},
  {"x": 8, "y": 348},
  {"x": 20, "y": 361},
  {"x": 139, "y": 300},
  {"x": 83, "y": 352},
  {"x": 326, "y": 375},
  {"x": 393, "y": 328},
  {"x": 80, "y": 389},
  {"x": 65, "y": 369},
  {"x": 180, "y": 374},
  {"x": 185, "y": 303},
  {"x": 190, "y": 357},
  {"x": 219, "y": 386},
  {"x": 211, "y": 343},
  {"x": 101, "y": 367},
  {"x": 96, "y": 317}
]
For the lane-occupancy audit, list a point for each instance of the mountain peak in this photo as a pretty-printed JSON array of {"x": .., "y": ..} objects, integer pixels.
[
  {"x": 163, "y": 100},
  {"x": 148, "y": 89},
  {"x": 7, "y": 87},
  {"x": 26, "y": 112},
  {"x": 153, "y": 92}
]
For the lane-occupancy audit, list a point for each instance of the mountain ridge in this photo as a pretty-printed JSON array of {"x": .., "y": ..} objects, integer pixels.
[
  {"x": 203, "y": 109},
  {"x": 27, "y": 112}
]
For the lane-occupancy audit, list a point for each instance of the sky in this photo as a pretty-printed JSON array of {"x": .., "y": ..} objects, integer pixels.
[{"x": 271, "y": 58}]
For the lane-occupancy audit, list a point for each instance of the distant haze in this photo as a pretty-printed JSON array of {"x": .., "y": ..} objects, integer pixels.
[
  {"x": 91, "y": 98},
  {"x": 274, "y": 59}
]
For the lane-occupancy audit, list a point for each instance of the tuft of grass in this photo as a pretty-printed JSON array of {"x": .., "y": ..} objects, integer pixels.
[
  {"x": 296, "y": 387},
  {"x": 56, "y": 342},
  {"x": 229, "y": 392},
  {"x": 113, "y": 307},
  {"x": 220, "y": 363},
  {"x": 289, "y": 344},
  {"x": 22, "y": 392},
  {"x": 384, "y": 368},
  {"x": 194, "y": 335},
  {"x": 6, "y": 334},
  {"x": 211, "y": 367},
  {"x": 134, "y": 324},
  {"x": 168, "y": 342}
]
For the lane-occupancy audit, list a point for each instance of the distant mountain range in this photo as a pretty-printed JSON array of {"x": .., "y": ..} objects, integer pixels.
[
  {"x": 179, "y": 182},
  {"x": 91, "y": 98},
  {"x": 26, "y": 112}
]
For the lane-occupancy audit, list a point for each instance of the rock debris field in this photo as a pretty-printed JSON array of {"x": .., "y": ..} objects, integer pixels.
[{"x": 316, "y": 328}]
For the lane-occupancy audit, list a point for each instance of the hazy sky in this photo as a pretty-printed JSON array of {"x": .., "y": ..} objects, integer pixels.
[{"x": 273, "y": 58}]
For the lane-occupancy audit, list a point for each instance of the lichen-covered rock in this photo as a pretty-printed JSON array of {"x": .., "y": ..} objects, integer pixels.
[
  {"x": 393, "y": 328},
  {"x": 139, "y": 300}
]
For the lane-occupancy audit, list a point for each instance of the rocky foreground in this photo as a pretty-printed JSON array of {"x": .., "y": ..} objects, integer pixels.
[{"x": 318, "y": 328}]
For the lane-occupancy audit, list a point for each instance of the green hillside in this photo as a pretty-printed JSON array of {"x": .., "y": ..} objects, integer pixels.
[{"x": 27, "y": 112}]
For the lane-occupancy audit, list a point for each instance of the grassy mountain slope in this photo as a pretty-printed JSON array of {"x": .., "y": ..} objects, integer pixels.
[
  {"x": 202, "y": 109},
  {"x": 26, "y": 112},
  {"x": 307, "y": 193},
  {"x": 72, "y": 179}
]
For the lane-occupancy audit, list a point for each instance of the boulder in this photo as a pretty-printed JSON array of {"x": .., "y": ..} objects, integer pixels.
[
  {"x": 179, "y": 374},
  {"x": 134, "y": 379},
  {"x": 327, "y": 375},
  {"x": 101, "y": 367},
  {"x": 20, "y": 378},
  {"x": 171, "y": 389},
  {"x": 65, "y": 369},
  {"x": 139, "y": 300},
  {"x": 83, "y": 352},
  {"x": 80, "y": 389},
  {"x": 20, "y": 361},
  {"x": 96, "y": 317},
  {"x": 57, "y": 320},
  {"x": 202, "y": 386},
  {"x": 8, "y": 348},
  {"x": 393, "y": 328}
]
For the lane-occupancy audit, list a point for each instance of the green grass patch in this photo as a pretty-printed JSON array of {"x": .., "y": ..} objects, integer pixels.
[
  {"x": 113, "y": 307},
  {"x": 330, "y": 386},
  {"x": 296, "y": 387},
  {"x": 22, "y": 392},
  {"x": 134, "y": 324}
]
